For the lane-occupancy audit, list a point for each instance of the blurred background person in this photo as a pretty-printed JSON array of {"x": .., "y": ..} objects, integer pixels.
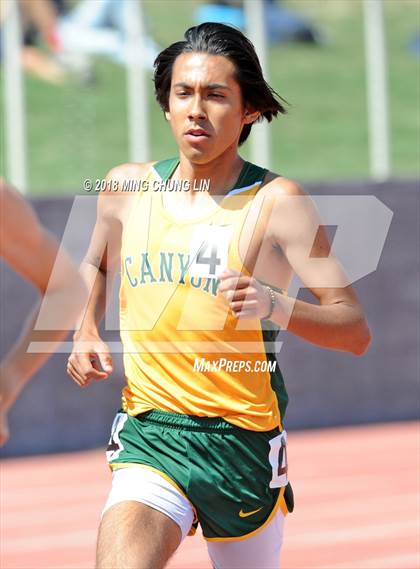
[
  {"x": 282, "y": 24},
  {"x": 60, "y": 38},
  {"x": 40, "y": 42},
  {"x": 100, "y": 28}
]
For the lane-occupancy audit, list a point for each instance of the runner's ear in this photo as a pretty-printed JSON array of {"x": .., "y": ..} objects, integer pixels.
[{"x": 251, "y": 116}]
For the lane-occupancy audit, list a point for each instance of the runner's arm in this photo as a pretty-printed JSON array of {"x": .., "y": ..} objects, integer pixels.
[
  {"x": 338, "y": 321},
  {"x": 102, "y": 259},
  {"x": 91, "y": 358},
  {"x": 34, "y": 254},
  {"x": 294, "y": 229}
]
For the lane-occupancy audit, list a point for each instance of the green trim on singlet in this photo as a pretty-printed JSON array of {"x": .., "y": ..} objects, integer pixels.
[
  {"x": 277, "y": 381},
  {"x": 249, "y": 175},
  {"x": 166, "y": 167},
  {"x": 279, "y": 388}
]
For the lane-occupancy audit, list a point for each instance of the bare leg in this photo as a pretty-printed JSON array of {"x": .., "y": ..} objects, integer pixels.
[{"x": 135, "y": 536}]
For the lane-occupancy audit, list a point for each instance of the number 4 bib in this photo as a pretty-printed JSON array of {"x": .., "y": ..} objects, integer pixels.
[{"x": 209, "y": 250}]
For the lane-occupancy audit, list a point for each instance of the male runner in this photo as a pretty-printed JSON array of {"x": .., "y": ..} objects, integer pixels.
[
  {"x": 32, "y": 252},
  {"x": 200, "y": 436}
]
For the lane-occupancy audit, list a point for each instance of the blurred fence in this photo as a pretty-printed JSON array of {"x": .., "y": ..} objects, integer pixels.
[
  {"x": 80, "y": 128},
  {"x": 325, "y": 388}
]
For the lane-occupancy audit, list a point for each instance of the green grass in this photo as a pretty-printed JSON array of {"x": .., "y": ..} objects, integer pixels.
[{"x": 76, "y": 132}]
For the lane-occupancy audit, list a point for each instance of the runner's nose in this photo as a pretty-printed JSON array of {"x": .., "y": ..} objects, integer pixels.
[{"x": 197, "y": 110}]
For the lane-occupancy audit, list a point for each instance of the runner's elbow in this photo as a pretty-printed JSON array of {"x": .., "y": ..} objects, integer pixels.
[{"x": 361, "y": 340}]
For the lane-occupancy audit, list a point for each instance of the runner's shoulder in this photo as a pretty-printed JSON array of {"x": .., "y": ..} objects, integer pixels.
[
  {"x": 278, "y": 186},
  {"x": 285, "y": 195},
  {"x": 116, "y": 197},
  {"x": 128, "y": 171}
]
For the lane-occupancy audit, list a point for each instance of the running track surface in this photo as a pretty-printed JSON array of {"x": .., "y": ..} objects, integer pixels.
[{"x": 356, "y": 490}]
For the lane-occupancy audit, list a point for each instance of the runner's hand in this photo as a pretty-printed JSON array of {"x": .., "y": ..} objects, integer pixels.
[
  {"x": 4, "y": 426},
  {"x": 89, "y": 361},
  {"x": 11, "y": 382},
  {"x": 247, "y": 297}
]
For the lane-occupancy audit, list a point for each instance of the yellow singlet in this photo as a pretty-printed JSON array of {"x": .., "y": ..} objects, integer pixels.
[{"x": 184, "y": 351}]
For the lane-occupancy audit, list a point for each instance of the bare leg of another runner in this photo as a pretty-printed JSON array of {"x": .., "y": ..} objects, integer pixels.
[{"x": 135, "y": 536}]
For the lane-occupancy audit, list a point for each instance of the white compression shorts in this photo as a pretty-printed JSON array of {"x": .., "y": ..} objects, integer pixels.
[{"x": 140, "y": 484}]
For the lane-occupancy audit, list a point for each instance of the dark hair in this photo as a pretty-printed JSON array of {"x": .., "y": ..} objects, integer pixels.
[{"x": 219, "y": 39}]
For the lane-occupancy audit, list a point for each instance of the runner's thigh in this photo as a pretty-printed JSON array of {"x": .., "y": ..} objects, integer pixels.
[
  {"x": 140, "y": 484},
  {"x": 135, "y": 536}
]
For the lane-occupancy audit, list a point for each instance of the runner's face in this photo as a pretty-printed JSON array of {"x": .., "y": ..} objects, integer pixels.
[{"x": 205, "y": 106}]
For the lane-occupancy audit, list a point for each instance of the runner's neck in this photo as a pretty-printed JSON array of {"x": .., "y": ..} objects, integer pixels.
[{"x": 222, "y": 174}]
